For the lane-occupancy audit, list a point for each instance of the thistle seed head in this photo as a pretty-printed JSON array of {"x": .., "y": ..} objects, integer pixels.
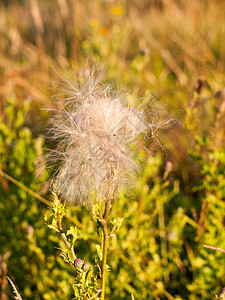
[{"x": 96, "y": 132}]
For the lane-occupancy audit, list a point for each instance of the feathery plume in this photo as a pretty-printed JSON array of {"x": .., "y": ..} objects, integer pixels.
[{"x": 96, "y": 131}]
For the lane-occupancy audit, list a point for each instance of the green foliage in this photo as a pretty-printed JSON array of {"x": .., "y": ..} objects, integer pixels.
[
  {"x": 85, "y": 284},
  {"x": 210, "y": 154},
  {"x": 157, "y": 253},
  {"x": 33, "y": 263},
  {"x": 177, "y": 205}
]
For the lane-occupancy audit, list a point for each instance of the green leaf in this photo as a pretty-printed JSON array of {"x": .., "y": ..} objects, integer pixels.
[{"x": 73, "y": 231}]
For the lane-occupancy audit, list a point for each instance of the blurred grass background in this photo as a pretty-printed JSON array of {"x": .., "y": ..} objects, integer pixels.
[{"x": 172, "y": 50}]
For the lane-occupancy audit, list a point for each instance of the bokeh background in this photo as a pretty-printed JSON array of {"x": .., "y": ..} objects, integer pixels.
[{"x": 168, "y": 51}]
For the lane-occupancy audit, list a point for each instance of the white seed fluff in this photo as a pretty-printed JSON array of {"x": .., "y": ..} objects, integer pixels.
[{"x": 96, "y": 132}]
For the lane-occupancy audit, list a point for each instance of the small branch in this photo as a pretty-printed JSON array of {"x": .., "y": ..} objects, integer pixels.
[
  {"x": 105, "y": 246},
  {"x": 65, "y": 238},
  {"x": 3, "y": 273},
  {"x": 107, "y": 209},
  {"x": 17, "y": 295},
  {"x": 214, "y": 248},
  {"x": 37, "y": 196}
]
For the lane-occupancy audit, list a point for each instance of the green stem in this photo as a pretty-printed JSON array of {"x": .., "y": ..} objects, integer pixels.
[
  {"x": 105, "y": 247},
  {"x": 65, "y": 238},
  {"x": 36, "y": 195}
]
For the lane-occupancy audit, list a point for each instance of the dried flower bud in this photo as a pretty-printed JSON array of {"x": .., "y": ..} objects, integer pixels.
[
  {"x": 78, "y": 263},
  {"x": 169, "y": 166},
  {"x": 85, "y": 267},
  {"x": 30, "y": 229},
  {"x": 222, "y": 294}
]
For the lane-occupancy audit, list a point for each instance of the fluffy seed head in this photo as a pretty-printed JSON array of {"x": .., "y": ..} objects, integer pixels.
[{"x": 96, "y": 132}]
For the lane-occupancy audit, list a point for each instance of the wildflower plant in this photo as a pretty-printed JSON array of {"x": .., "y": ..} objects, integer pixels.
[
  {"x": 85, "y": 285},
  {"x": 96, "y": 132}
]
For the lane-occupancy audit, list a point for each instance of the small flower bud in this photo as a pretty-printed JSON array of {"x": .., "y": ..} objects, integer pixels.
[
  {"x": 169, "y": 166},
  {"x": 78, "y": 263},
  {"x": 85, "y": 267},
  {"x": 30, "y": 229},
  {"x": 222, "y": 294}
]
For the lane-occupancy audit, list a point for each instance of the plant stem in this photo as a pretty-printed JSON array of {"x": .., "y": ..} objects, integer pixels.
[
  {"x": 37, "y": 196},
  {"x": 65, "y": 238},
  {"x": 105, "y": 247},
  {"x": 214, "y": 248}
]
